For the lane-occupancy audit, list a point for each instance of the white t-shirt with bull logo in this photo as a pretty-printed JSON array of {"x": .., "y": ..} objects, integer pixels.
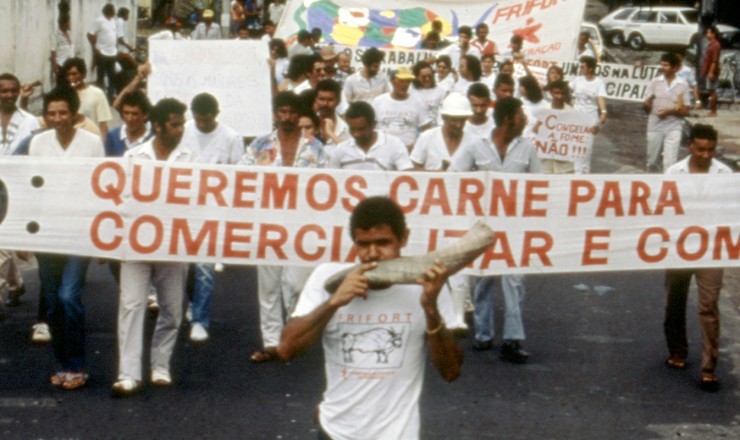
[{"x": 375, "y": 352}]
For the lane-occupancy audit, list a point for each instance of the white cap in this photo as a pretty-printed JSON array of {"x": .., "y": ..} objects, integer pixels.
[{"x": 456, "y": 104}]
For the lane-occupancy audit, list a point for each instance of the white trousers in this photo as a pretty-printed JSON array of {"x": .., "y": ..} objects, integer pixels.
[
  {"x": 666, "y": 142},
  {"x": 10, "y": 274},
  {"x": 169, "y": 280},
  {"x": 278, "y": 290}
]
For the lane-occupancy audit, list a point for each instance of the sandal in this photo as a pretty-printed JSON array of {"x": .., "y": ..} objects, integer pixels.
[
  {"x": 269, "y": 354},
  {"x": 676, "y": 362},
  {"x": 75, "y": 381},
  {"x": 58, "y": 378},
  {"x": 709, "y": 381}
]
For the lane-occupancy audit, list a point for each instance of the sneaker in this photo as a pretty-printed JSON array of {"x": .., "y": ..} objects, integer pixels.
[
  {"x": 198, "y": 333},
  {"x": 41, "y": 334},
  {"x": 161, "y": 377},
  {"x": 126, "y": 388},
  {"x": 512, "y": 352}
]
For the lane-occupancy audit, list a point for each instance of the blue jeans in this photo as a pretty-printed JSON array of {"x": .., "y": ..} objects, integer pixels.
[
  {"x": 513, "y": 290},
  {"x": 62, "y": 280},
  {"x": 203, "y": 292}
]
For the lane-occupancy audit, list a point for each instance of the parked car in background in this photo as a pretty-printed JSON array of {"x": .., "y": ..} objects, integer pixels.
[{"x": 660, "y": 25}]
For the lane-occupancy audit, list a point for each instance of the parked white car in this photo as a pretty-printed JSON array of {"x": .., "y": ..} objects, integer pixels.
[{"x": 638, "y": 26}]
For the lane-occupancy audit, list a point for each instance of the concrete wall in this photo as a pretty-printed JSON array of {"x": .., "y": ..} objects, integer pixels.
[{"x": 27, "y": 28}]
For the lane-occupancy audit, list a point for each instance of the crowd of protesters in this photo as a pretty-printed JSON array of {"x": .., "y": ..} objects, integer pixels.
[{"x": 463, "y": 109}]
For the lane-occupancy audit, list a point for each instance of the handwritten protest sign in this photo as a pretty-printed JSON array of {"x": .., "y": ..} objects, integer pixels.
[
  {"x": 562, "y": 135},
  {"x": 235, "y": 72},
  {"x": 192, "y": 212},
  {"x": 549, "y": 28}
]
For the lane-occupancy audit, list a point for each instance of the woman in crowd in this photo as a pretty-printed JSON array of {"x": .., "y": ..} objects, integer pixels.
[{"x": 427, "y": 90}]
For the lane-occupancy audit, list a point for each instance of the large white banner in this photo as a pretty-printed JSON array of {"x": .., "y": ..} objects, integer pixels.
[
  {"x": 623, "y": 82},
  {"x": 549, "y": 28},
  {"x": 542, "y": 223},
  {"x": 234, "y": 71}
]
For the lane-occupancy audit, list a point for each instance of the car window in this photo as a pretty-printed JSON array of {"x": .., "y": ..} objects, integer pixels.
[
  {"x": 624, "y": 14},
  {"x": 645, "y": 17},
  {"x": 690, "y": 16},
  {"x": 668, "y": 17}
]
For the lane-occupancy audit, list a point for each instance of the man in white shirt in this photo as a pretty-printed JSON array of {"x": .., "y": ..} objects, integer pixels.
[
  {"x": 479, "y": 124},
  {"x": 93, "y": 102},
  {"x": 63, "y": 47},
  {"x": 62, "y": 277},
  {"x": 168, "y": 123},
  {"x": 702, "y": 146},
  {"x": 275, "y": 11},
  {"x": 374, "y": 366},
  {"x": 214, "y": 143},
  {"x": 505, "y": 150},
  {"x": 368, "y": 82},
  {"x": 207, "y": 29},
  {"x": 15, "y": 125},
  {"x": 104, "y": 40},
  {"x": 369, "y": 149},
  {"x": 333, "y": 128},
  {"x": 667, "y": 103},
  {"x": 398, "y": 113},
  {"x": 462, "y": 47}
]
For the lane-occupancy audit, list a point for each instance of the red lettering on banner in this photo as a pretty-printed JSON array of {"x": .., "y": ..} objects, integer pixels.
[
  {"x": 611, "y": 198},
  {"x": 471, "y": 192},
  {"x": 530, "y": 197},
  {"x": 432, "y": 241},
  {"x": 272, "y": 190},
  {"x": 243, "y": 185},
  {"x": 336, "y": 243},
  {"x": 590, "y": 245},
  {"x": 491, "y": 254},
  {"x": 703, "y": 243},
  {"x": 299, "y": 242},
  {"x": 275, "y": 241},
  {"x": 207, "y": 234},
  {"x": 351, "y": 255},
  {"x": 436, "y": 195},
  {"x": 95, "y": 231},
  {"x": 724, "y": 239},
  {"x": 353, "y": 186},
  {"x": 136, "y": 184},
  {"x": 507, "y": 199},
  {"x": 175, "y": 183},
  {"x": 639, "y": 194},
  {"x": 110, "y": 191},
  {"x": 156, "y": 240},
  {"x": 311, "y": 191},
  {"x": 215, "y": 189},
  {"x": 669, "y": 198},
  {"x": 642, "y": 244},
  {"x": 541, "y": 251},
  {"x": 581, "y": 191},
  {"x": 232, "y": 236},
  {"x": 396, "y": 189}
]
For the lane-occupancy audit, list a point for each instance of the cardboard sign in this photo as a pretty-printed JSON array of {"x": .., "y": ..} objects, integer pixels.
[{"x": 234, "y": 71}]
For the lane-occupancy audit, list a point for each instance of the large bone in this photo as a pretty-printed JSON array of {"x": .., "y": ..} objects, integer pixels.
[{"x": 407, "y": 270}]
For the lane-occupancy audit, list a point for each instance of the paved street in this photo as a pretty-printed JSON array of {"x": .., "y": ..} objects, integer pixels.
[{"x": 596, "y": 372}]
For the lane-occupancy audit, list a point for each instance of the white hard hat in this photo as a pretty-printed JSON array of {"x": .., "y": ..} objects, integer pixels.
[{"x": 456, "y": 104}]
